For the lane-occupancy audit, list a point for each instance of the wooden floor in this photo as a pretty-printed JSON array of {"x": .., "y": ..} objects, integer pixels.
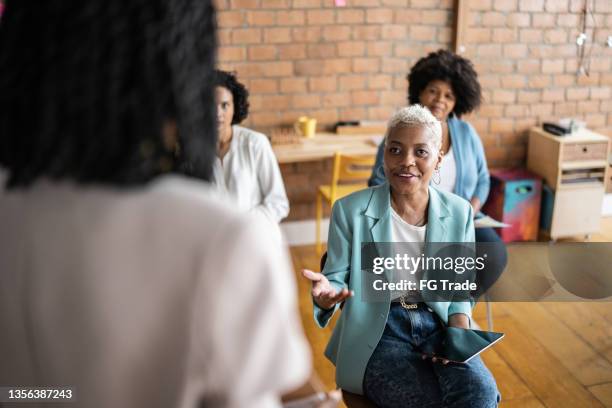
[{"x": 554, "y": 354}]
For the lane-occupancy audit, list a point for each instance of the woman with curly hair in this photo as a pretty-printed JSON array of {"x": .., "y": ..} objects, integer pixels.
[
  {"x": 246, "y": 168},
  {"x": 447, "y": 84}
]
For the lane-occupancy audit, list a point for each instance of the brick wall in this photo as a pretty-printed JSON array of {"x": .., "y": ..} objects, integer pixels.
[{"x": 340, "y": 63}]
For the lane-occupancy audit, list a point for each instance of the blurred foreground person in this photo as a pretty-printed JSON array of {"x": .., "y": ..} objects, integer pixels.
[{"x": 137, "y": 289}]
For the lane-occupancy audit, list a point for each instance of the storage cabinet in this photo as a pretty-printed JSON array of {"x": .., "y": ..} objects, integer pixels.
[{"x": 575, "y": 170}]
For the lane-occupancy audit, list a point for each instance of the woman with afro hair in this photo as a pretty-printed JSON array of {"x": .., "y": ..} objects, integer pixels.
[
  {"x": 447, "y": 84},
  {"x": 245, "y": 168}
]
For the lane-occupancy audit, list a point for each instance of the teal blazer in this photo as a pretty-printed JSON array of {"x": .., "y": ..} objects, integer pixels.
[{"x": 365, "y": 216}]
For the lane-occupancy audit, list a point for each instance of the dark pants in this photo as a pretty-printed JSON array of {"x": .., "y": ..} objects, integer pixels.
[{"x": 397, "y": 376}]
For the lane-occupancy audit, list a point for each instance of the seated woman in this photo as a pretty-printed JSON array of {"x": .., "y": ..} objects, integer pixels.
[
  {"x": 246, "y": 168},
  {"x": 448, "y": 85},
  {"x": 376, "y": 345}
]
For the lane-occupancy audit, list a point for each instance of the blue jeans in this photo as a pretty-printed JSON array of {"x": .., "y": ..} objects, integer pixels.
[{"x": 397, "y": 376}]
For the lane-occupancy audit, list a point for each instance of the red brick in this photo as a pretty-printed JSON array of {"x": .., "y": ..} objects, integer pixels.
[
  {"x": 553, "y": 95},
  {"x": 365, "y": 3},
  {"x": 407, "y": 16},
  {"x": 505, "y": 5},
  {"x": 531, "y": 5},
  {"x": 489, "y": 50},
  {"x": 513, "y": 81},
  {"x": 277, "y": 69},
  {"x": 246, "y": 36},
  {"x": 336, "y": 66},
  {"x": 588, "y": 107},
  {"x": 478, "y": 35},
  {"x": 565, "y": 108},
  {"x": 366, "y": 65},
  {"x": 393, "y": 98},
  {"x": 322, "y": 84},
  {"x": 555, "y": 66},
  {"x": 380, "y": 81},
  {"x": 277, "y": 35},
  {"x": 538, "y": 81},
  {"x": 336, "y": 33},
  {"x": 483, "y": 5},
  {"x": 501, "y": 125},
  {"x": 227, "y": 54},
  {"x": 516, "y": 111},
  {"x": 543, "y": 20},
  {"x": 224, "y": 37},
  {"x": 350, "y": 82},
  {"x": 393, "y": 32},
  {"x": 426, "y": 4},
  {"x": 291, "y": 52},
  {"x": 600, "y": 64},
  {"x": 337, "y": 100},
  {"x": 244, "y": 4},
  {"x": 395, "y": 3},
  {"x": 595, "y": 120},
  {"x": 541, "y": 51},
  {"x": 260, "y": 18},
  {"x": 364, "y": 98},
  {"x": 263, "y": 86},
  {"x": 445, "y": 35},
  {"x": 320, "y": 17},
  {"x": 493, "y": 19},
  {"x": 606, "y": 78},
  {"x": 268, "y": 102},
  {"x": 528, "y": 96},
  {"x": 351, "y": 49},
  {"x": 306, "y": 34},
  {"x": 379, "y": 49},
  {"x": 515, "y": 50},
  {"x": 262, "y": 52},
  {"x": 541, "y": 109},
  {"x": 321, "y": 50},
  {"x": 264, "y": 119},
  {"x": 556, "y": 6},
  {"x": 290, "y": 18},
  {"x": 504, "y": 35},
  {"x": 308, "y": 68},
  {"x": 379, "y": 16},
  {"x": 489, "y": 81},
  {"x": 503, "y": 96},
  {"x": 436, "y": 17},
  {"x": 421, "y": 33},
  {"x": 407, "y": 50},
  {"x": 305, "y": 101},
  {"x": 361, "y": 32},
  {"x": 600, "y": 93},
  {"x": 350, "y": 16},
  {"x": 592, "y": 79},
  {"x": 275, "y": 4},
  {"x": 565, "y": 50},
  {"x": 529, "y": 35},
  {"x": 293, "y": 85},
  {"x": 568, "y": 20},
  {"x": 220, "y": 4},
  {"x": 380, "y": 113},
  {"x": 228, "y": 19},
  {"x": 299, "y": 4},
  {"x": 555, "y": 36},
  {"x": 564, "y": 80},
  {"x": 395, "y": 65},
  {"x": 528, "y": 66},
  {"x": 518, "y": 20},
  {"x": 353, "y": 113}
]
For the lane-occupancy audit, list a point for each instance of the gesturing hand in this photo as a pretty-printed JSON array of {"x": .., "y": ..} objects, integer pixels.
[{"x": 323, "y": 292}]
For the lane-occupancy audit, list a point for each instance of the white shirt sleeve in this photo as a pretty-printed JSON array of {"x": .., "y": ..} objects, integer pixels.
[
  {"x": 259, "y": 350},
  {"x": 275, "y": 204}
]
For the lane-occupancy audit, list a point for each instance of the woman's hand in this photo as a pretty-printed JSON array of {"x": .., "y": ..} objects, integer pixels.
[
  {"x": 459, "y": 320},
  {"x": 324, "y": 294}
]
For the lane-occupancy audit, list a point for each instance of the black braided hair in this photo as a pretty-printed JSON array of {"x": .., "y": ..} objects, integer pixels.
[
  {"x": 86, "y": 87},
  {"x": 446, "y": 66}
]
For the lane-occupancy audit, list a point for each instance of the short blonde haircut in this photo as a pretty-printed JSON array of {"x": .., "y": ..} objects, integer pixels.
[{"x": 416, "y": 116}]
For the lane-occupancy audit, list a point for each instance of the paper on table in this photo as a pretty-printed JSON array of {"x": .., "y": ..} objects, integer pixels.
[{"x": 488, "y": 222}]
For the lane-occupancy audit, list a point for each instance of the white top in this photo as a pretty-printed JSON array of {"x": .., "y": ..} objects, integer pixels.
[
  {"x": 448, "y": 172},
  {"x": 404, "y": 234},
  {"x": 160, "y": 296},
  {"x": 250, "y": 175}
]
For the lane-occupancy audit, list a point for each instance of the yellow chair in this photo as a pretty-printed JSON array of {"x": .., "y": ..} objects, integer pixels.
[{"x": 348, "y": 176}]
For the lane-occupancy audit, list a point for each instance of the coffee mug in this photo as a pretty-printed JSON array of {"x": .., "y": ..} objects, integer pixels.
[{"x": 305, "y": 126}]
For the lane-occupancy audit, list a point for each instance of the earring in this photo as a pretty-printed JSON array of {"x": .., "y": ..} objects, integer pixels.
[{"x": 436, "y": 173}]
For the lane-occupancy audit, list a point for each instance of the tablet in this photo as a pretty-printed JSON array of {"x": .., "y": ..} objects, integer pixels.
[{"x": 459, "y": 345}]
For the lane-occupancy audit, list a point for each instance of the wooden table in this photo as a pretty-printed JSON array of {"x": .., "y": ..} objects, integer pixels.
[{"x": 325, "y": 145}]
